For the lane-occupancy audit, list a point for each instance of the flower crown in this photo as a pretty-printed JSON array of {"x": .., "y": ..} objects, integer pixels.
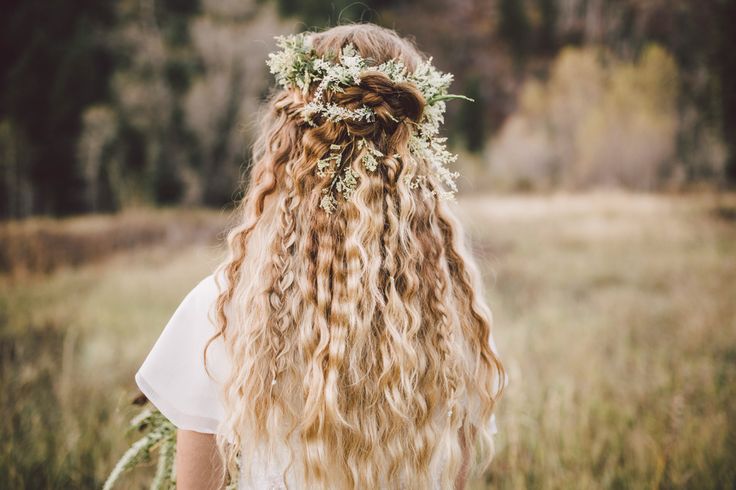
[{"x": 297, "y": 65}]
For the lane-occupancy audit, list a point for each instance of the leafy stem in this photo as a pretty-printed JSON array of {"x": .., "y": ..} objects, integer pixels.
[{"x": 438, "y": 98}]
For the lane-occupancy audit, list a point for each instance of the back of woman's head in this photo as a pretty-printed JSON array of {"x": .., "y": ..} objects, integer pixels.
[{"x": 352, "y": 311}]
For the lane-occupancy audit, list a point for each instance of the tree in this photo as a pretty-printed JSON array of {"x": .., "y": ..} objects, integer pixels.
[{"x": 55, "y": 63}]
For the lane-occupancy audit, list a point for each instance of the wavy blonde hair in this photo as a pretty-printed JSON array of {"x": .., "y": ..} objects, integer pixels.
[{"x": 359, "y": 336}]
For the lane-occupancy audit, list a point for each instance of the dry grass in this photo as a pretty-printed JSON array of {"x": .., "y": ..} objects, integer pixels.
[
  {"x": 42, "y": 245},
  {"x": 615, "y": 315},
  {"x": 616, "y": 318}
]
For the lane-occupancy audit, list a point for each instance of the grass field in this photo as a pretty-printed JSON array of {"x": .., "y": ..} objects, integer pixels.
[{"x": 615, "y": 315}]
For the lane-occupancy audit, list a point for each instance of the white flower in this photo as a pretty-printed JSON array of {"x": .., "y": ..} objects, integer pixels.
[
  {"x": 370, "y": 156},
  {"x": 297, "y": 65},
  {"x": 328, "y": 203}
]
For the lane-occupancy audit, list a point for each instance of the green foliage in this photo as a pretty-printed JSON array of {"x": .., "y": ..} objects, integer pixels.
[
  {"x": 54, "y": 64},
  {"x": 181, "y": 81},
  {"x": 159, "y": 434}
]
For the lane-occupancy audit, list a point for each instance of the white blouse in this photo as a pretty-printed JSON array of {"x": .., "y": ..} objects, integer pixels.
[
  {"x": 173, "y": 376},
  {"x": 174, "y": 379}
]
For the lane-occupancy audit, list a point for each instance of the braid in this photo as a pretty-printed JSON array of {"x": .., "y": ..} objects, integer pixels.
[
  {"x": 392, "y": 103},
  {"x": 285, "y": 245}
]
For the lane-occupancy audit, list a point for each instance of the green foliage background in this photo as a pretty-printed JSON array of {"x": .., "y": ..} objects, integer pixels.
[{"x": 105, "y": 105}]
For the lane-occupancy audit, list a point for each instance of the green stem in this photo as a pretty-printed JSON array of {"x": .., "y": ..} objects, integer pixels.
[{"x": 437, "y": 98}]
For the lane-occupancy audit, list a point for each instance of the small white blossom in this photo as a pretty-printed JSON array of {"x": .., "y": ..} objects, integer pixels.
[
  {"x": 297, "y": 65},
  {"x": 328, "y": 165},
  {"x": 328, "y": 203},
  {"x": 347, "y": 183},
  {"x": 371, "y": 156}
]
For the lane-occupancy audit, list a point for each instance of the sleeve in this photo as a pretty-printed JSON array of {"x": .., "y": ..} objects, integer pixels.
[{"x": 173, "y": 375}]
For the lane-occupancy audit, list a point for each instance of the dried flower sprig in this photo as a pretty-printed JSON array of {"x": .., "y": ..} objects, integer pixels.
[
  {"x": 159, "y": 433},
  {"x": 371, "y": 156},
  {"x": 297, "y": 65}
]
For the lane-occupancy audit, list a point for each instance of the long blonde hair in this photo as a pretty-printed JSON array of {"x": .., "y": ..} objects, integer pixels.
[{"x": 360, "y": 336}]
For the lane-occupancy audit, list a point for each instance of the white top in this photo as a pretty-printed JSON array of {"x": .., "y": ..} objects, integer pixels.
[{"x": 174, "y": 379}]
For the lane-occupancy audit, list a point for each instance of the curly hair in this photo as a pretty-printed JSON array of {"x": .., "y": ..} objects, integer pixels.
[{"x": 360, "y": 336}]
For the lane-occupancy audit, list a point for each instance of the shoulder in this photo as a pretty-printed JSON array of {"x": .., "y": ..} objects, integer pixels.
[
  {"x": 199, "y": 303},
  {"x": 174, "y": 375},
  {"x": 204, "y": 293}
]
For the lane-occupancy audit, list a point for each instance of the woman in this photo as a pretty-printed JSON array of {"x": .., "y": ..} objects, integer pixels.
[{"x": 344, "y": 342}]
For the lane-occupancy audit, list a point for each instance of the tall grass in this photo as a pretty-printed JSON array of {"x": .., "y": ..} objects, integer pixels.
[
  {"x": 69, "y": 345},
  {"x": 43, "y": 245},
  {"x": 617, "y": 321},
  {"x": 614, "y": 314}
]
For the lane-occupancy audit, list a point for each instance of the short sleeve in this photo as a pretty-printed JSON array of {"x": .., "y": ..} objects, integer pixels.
[{"x": 173, "y": 375}]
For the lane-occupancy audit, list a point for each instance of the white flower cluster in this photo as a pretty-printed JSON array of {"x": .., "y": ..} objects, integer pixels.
[
  {"x": 370, "y": 156},
  {"x": 297, "y": 65}
]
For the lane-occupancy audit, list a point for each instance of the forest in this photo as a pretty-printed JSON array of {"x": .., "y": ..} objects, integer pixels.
[{"x": 111, "y": 105}]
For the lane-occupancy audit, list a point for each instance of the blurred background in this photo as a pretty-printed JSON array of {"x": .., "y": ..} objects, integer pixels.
[{"x": 598, "y": 165}]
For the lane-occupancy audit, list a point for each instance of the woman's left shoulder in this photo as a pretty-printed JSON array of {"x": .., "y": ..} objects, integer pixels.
[{"x": 174, "y": 375}]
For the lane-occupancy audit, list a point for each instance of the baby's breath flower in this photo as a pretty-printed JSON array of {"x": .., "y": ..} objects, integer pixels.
[
  {"x": 347, "y": 183},
  {"x": 371, "y": 156},
  {"x": 158, "y": 434},
  {"x": 297, "y": 65},
  {"x": 328, "y": 203},
  {"x": 327, "y": 166}
]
